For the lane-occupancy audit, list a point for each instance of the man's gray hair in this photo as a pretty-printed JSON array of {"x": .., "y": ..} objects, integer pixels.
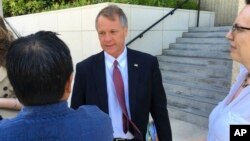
[{"x": 110, "y": 12}]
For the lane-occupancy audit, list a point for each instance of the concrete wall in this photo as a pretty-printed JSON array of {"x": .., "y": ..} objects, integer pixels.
[
  {"x": 76, "y": 27},
  {"x": 1, "y": 8},
  {"x": 225, "y": 10}
]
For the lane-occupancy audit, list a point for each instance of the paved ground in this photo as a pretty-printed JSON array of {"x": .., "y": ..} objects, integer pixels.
[{"x": 182, "y": 131}]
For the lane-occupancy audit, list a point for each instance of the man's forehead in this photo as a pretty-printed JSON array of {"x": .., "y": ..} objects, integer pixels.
[{"x": 112, "y": 17}]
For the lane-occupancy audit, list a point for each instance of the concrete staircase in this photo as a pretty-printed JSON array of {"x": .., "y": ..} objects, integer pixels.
[{"x": 196, "y": 73}]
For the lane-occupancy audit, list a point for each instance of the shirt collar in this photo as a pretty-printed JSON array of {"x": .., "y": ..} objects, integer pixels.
[
  {"x": 109, "y": 60},
  {"x": 42, "y": 111}
]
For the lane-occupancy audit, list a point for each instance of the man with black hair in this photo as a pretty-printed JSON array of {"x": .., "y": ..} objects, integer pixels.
[{"x": 40, "y": 70}]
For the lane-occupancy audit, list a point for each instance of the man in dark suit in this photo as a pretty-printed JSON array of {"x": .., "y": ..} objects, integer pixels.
[{"x": 102, "y": 78}]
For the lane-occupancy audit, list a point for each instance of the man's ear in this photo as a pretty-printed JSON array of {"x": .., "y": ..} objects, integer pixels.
[{"x": 67, "y": 88}]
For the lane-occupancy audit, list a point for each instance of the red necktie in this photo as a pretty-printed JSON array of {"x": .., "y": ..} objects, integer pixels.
[
  {"x": 128, "y": 125},
  {"x": 119, "y": 87}
]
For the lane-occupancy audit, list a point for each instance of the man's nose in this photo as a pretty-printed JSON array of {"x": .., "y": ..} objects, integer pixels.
[{"x": 107, "y": 37}]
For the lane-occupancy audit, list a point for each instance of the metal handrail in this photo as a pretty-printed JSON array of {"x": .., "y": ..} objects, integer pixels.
[
  {"x": 12, "y": 29},
  {"x": 170, "y": 13},
  {"x": 198, "y": 14}
]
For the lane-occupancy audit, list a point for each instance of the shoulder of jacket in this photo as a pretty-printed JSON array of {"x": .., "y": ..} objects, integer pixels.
[
  {"x": 90, "y": 60},
  {"x": 140, "y": 54}
]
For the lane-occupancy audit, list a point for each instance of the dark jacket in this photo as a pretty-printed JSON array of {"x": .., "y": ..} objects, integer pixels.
[{"x": 146, "y": 92}]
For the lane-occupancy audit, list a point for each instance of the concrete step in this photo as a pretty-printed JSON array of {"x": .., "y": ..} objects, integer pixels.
[
  {"x": 205, "y": 47},
  {"x": 220, "y": 84},
  {"x": 199, "y": 71},
  {"x": 196, "y": 72},
  {"x": 202, "y": 62},
  {"x": 203, "y": 40},
  {"x": 194, "y": 93},
  {"x": 210, "y": 29},
  {"x": 183, "y": 115},
  {"x": 197, "y": 53},
  {"x": 219, "y": 91},
  {"x": 190, "y": 105},
  {"x": 196, "y": 82},
  {"x": 204, "y": 34}
]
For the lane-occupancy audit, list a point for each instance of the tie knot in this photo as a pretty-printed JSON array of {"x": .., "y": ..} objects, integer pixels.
[{"x": 115, "y": 63}]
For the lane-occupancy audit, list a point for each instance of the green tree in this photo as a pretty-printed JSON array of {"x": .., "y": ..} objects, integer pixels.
[{"x": 21, "y": 7}]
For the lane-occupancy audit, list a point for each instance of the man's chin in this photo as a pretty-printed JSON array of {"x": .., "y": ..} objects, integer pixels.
[{"x": 111, "y": 54}]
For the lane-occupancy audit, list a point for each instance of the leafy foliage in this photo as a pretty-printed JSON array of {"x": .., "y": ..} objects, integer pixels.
[{"x": 21, "y": 7}]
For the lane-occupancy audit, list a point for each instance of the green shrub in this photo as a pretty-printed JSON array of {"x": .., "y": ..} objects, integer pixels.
[
  {"x": 191, "y": 4},
  {"x": 21, "y": 7}
]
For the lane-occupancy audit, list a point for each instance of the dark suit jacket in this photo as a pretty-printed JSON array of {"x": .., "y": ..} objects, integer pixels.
[{"x": 146, "y": 92}]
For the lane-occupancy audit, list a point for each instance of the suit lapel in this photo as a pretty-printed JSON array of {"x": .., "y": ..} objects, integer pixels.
[
  {"x": 101, "y": 84},
  {"x": 132, "y": 80},
  {"x": 100, "y": 81}
]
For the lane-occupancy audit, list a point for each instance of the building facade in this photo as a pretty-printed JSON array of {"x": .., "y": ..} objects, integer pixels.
[{"x": 225, "y": 10}]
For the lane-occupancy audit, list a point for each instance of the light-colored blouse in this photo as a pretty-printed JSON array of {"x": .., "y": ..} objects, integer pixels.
[
  {"x": 230, "y": 111},
  {"x": 6, "y": 90}
]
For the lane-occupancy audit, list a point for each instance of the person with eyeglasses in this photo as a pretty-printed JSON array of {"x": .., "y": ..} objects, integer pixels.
[
  {"x": 8, "y": 102},
  {"x": 234, "y": 109}
]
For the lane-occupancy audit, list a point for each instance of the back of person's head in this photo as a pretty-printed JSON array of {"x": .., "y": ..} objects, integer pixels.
[
  {"x": 110, "y": 12},
  {"x": 247, "y": 1},
  {"x": 5, "y": 41},
  {"x": 38, "y": 66}
]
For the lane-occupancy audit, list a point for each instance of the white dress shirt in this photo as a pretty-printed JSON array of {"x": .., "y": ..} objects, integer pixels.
[
  {"x": 115, "y": 111},
  {"x": 229, "y": 111}
]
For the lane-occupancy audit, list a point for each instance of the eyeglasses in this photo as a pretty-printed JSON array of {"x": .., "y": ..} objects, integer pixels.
[{"x": 235, "y": 27}]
